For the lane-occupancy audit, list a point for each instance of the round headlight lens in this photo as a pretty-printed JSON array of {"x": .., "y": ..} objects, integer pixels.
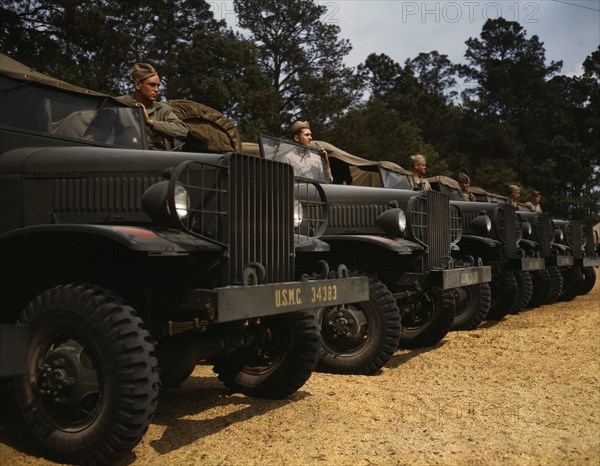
[
  {"x": 482, "y": 225},
  {"x": 182, "y": 201},
  {"x": 527, "y": 230},
  {"x": 558, "y": 235},
  {"x": 298, "y": 214},
  {"x": 392, "y": 222},
  {"x": 401, "y": 221}
]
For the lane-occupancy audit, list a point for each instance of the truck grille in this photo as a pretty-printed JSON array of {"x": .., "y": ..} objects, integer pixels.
[
  {"x": 314, "y": 213},
  {"x": 506, "y": 227},
  {"x": 455, "y": 223},
  {"x": 260, "y": 217},
  {"x": 246, "y": 206},
  {"x": 587, "y": 238},
  {"x": 543, "y": 231},
  {"x": 574, "y": 238},
  {"x": 430, "y": 225}
]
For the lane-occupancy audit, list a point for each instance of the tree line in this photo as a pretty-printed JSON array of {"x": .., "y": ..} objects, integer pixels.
[{"x": 505, "y": 116}]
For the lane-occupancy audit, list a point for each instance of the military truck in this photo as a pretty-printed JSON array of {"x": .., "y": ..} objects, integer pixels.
[
  {"x": 472, "y": 302},
  {"x": 401, "y": 240},
  {"x": 571, "y": 240},
  {"x": 543, "y": 237},
  {"x": 590, "y": 258},
  {"x": 128, "y": 267},
  {"x": 492, "y": 231}
]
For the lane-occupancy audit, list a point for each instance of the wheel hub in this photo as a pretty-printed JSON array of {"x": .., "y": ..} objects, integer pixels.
[
  {"x": 345, "y": 326},
  {"x": 68, "y": 382}
]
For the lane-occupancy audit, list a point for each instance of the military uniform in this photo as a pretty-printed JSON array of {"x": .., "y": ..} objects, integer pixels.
[
  {"x": 305, "y": 163},
  {"x": 166, "y": 126},
  {"x": 466, "y": 196},
  {"x": 421, "y": 185},
  {"x": 533, "y": 207}
]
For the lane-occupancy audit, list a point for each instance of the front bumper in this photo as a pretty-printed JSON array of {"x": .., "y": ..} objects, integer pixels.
[
  {"x": 247, "y": 302},
  {"x": 560, "y": 261},
  {"x": 588, "y": 262},
  {"x": 527, "y": 264},
  {"x": 447, "y": 279}
]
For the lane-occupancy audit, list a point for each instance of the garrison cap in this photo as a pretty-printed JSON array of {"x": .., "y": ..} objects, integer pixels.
[
  {"x": 463, "y": 178},
  {"x": 298, "y": 126},
  {"x": 142, "y": 71},
  {"x": 417, "y": 159}
]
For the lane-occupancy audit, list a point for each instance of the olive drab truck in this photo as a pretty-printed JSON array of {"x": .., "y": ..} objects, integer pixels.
[
  {"x": 493, "y": 231},
  {"x": 129, "y": 267},
  {"x": 401, "y": 241}
]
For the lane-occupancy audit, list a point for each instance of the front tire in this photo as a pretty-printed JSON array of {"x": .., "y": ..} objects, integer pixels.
[
  {"x": 541, "y": 283},
  {"x": 525, "y": 289},
  {"x": 92, "y": 383},
  {"x": 505, "y": 296},
  {"x": 472, "y": 306},
  {"x": 556, "y": 285},
  {"x": 426, "y": 318},
  {"x": 360, "y": 338},
  {"x": 589, "y": 280},
  {"x": 280, "y": 361},
  {"x": 573, "y": 283}
]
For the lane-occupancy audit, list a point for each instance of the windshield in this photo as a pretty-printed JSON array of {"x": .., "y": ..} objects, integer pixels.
[
  {"x": 58, "y": 113},
  {"x": 306, "y": 162}
]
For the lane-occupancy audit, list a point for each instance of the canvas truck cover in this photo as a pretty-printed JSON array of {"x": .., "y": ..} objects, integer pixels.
[
  {"x": 363, "y": 172},
  {"x": 16, "y": 70},
  {"x": 208, "y": 129}
]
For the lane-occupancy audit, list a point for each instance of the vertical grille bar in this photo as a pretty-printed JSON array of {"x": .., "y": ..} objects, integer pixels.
[
  {"x": 507, "y": 217},
  {"x": 430, "y": 225},
  {"x": 261, "y": 222},
  {"x": 455, "y": 223},
  {"x": 544, "y": 232},
  {"x": 438, "y": 211},
  {"x": 576, "y": 239}
]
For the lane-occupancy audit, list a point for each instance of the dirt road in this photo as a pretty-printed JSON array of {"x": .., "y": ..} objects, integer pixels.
[{"x": 522, "y": 391}]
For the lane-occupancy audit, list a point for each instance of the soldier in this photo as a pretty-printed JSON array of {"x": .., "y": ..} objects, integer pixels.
[
  {"x": 305, "y": 163},
  {"x": 416, "y": 180},
  {"x": 514, "y": 192},
  {"x": 465, "y": 182},
  {"x": 162, "y": 125},
  {"x": 534, "y": 203}
]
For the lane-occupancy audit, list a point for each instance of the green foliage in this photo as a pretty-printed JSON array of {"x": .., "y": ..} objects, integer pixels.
[
  {"x": 302, "y": 56},
  {"x": 505, "y": 116}
]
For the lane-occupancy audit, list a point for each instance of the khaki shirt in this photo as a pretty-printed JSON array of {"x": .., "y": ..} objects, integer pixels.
[
  {"x": 167, "y": 126},
  {"x": 423, "y": 185},
  {"x": 534, "y": 207},
  {"x": 465, "y": 196}
]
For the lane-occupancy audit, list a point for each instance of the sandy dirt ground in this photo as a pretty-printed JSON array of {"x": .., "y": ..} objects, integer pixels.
[{"x": 522, "y": 391}]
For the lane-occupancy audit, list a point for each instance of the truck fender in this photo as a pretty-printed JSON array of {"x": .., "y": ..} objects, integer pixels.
[
  {"x": 149, "y": 240},
  {"x": 397, "y": 245}
]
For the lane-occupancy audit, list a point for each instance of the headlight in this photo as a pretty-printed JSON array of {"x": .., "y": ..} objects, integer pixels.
[
  {"x": 558, "y": 235},
  {"x": 392, "y": 222},
  {"x": 527, "y": 230},
  {"x": 298, "y": 213},
  {"x": 182, "y": 201},
  {"x": 155, "y": 202},
  {"x": 481, "y": 225}
]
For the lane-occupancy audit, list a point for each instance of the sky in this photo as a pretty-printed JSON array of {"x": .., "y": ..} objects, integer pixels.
[{"x": 569, "y": 29}]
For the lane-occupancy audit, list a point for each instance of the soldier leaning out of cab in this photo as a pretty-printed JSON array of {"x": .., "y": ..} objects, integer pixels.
[
  {"x": 416, "y": 180},
  {"x": 534, "y": 203},
  {"x": 514, "y": 192},
  {"x": 163, "y": 127},
  {"x": 465, "y": 183},
  {"x": 305, "y": 163}
]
